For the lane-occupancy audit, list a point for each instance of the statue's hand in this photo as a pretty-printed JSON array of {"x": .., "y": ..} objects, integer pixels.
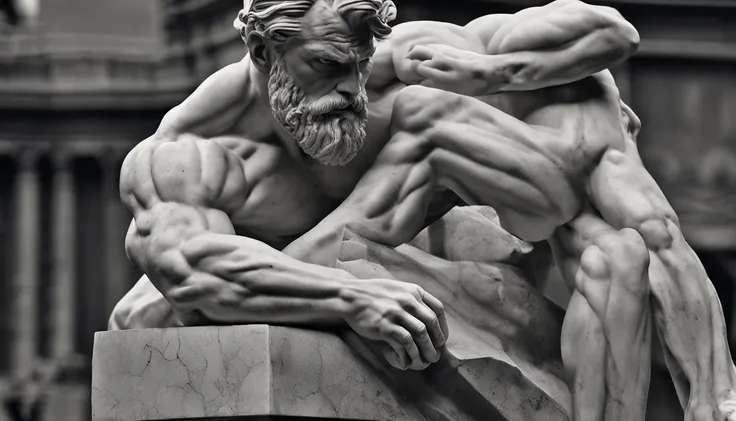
[
  {"x": 450, "y": 69},
  {"x": 404, "y": 316}
]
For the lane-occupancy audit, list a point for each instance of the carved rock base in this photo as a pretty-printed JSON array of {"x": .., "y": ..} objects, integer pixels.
[{"x": 260, "y": 372}]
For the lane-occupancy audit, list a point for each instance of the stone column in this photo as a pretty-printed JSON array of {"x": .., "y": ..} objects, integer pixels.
[
  {"x": 117, "y": 267},
  {"x": 26, "y": 274},
  {"x": 64, "y": 255}
]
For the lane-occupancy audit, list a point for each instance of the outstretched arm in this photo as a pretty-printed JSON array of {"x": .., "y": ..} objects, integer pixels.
[
  {"x": 181, "y": 192},
  {"x": 562, "y": 42}
]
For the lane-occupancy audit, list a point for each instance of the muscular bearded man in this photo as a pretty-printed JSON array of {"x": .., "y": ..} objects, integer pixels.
[{"x": 335, "y": 120}]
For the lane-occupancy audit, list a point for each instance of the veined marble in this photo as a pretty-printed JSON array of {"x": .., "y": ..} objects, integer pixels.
[{"x": 259, "y": 371}]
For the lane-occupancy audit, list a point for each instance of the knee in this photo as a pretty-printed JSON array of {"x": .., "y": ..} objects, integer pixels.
[
  {"x": 621, "y": 256},
  {"x": 594, "y": 263},
  {"x": 657, "y": 233},
  {"x": 417, "y": 108},
  {"x": 626, "y": 247},
  {"x": 119, "y": 317}
]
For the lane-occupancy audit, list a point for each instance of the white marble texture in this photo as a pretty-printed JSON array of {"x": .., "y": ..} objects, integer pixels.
[
  {"x": 213, "y": 372},
  {"x": 502, "y": 360}
]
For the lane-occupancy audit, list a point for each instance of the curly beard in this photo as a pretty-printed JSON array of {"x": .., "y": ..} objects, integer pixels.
[{"x": 331, "y": 129}]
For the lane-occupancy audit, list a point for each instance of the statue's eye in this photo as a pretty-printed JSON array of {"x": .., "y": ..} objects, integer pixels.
[{"x": 327, "y": 62}]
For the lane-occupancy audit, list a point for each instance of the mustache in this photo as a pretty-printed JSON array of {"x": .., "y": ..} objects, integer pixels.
[{"x": 337, "y": 102}]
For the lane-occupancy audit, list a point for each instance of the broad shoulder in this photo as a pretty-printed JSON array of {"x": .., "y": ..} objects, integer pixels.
[
  {"x": 215, "y": 106},
  {"x": 186, "y": 169}
]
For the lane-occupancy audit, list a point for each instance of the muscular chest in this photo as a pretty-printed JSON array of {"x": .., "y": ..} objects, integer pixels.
[{"x": 289, "y": 195}]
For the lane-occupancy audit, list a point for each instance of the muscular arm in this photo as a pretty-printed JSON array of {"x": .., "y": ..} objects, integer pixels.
[
  {"x": 556, "y": 44},
  {"x": 181, "y": 192},
  {"x": 181, "y": 188}
]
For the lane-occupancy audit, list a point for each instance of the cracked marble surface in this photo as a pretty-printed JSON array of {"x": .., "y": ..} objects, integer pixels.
[
  {"x": 218, "y": 372},
  {"x": 229, "y": 371},
  {"x": 502, "y": 360}
]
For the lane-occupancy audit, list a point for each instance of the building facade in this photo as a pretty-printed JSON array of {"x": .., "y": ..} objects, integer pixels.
[{"x": 85, "y": 80}]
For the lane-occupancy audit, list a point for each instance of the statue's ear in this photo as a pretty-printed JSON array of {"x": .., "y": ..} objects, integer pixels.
[{"x": 261, "y": 52}]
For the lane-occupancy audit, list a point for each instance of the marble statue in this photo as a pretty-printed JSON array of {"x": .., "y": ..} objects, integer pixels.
[{"x": 338, "y": 134}]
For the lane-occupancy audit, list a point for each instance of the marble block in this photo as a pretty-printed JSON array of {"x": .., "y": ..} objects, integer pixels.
[
  {"x": 268, "y": 372},
  {"x": 227, "y": 371}
]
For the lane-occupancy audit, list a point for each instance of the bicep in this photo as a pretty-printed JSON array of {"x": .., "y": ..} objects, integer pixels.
[
  {"x": 188, "y": 170},
  {"x": 177, "y": 190}
]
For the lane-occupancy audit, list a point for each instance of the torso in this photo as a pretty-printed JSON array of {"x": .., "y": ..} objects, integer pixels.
[{"x": 290, "y": 193}]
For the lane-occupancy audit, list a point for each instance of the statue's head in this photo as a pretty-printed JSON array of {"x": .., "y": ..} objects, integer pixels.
[{"x": 318, "y": 54}]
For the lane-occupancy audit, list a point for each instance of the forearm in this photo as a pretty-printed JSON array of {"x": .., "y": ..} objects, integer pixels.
[
  {"x": 231, "y": 279},
  {"x": 568, "y": 41},
  {"x": 189, "y": 250},
  {"x": 235, "y": 279}
]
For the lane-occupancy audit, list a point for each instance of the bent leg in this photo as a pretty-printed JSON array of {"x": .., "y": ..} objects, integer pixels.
[
  {"x": 606, "y": 338},
  {"x": 143, "y": 307},
  {"x": 688, "y": 313}
]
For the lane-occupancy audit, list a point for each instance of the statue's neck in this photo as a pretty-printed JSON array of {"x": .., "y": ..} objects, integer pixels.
[{"x": 259, "y": 82}]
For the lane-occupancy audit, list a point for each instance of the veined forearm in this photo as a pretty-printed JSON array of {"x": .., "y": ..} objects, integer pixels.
[
  {"x": 234, "y": 279},
  {"x": 189, "y": 250},
  {"x": 237, "y": 279},
  {"x": 531, "y": 70}
]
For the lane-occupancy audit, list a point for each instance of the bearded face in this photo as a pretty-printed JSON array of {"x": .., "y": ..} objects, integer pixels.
[{"x": 331, "y": 129}]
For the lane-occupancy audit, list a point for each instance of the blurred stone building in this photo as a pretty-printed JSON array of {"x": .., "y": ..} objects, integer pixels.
[{"x": 81, "y": 81}]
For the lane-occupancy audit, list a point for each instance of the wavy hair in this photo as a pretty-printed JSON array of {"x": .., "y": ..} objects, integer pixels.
[{"x": 279, "y": 20}]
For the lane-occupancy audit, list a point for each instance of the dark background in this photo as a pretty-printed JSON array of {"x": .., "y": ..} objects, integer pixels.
[{"x": 81, "y": 81}]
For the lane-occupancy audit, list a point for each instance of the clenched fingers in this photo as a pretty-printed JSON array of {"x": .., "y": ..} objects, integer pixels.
[
  {"x": 399, "y": 337},
  {"x": 438, "y": 309},
  {"x": 427, "y": 330},
  {"x": 395, "y": 354},
  {"x": 420, "y": 333}
]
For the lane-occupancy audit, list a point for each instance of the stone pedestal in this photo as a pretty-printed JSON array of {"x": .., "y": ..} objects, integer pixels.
[
  {"x": 501, "y": 363},
  {"x": 254, "y": 371},
  {"x": 260, "y": 372}
]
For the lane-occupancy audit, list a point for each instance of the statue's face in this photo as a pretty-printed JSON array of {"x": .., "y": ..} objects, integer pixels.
[{"x": 317, "y": 87}]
